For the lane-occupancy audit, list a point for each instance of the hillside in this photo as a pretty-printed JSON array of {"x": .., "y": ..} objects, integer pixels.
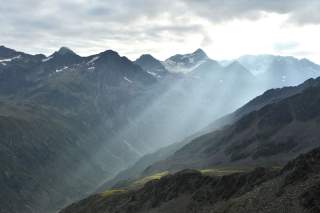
[
  {"x": 295, "y": 188},
  {"x": 159, "y": 157},
  {"x": 271, "y": 135},
  {"x": 54, "y": 115}
]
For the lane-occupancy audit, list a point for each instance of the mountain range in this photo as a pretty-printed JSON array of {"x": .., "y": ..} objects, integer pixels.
[
  {"x": 221, "y": 171},
  {"x": 70, "y": 123},
  {"x": 264, "y": 132}
]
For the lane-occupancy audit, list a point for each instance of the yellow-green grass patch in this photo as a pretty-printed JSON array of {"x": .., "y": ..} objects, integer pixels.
[
  {"x": 109, "y": 193},
  {"x": 144, "y": 180}
]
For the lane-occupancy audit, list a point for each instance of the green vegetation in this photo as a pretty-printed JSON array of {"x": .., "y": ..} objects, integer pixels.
[
  {"x": 140, "y": 182},
  {"x": 222, "y": 171},
  {"x": 108, "y": 193}
]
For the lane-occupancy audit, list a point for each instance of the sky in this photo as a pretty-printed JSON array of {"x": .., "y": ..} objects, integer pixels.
[{"x": 224, "y": 29}]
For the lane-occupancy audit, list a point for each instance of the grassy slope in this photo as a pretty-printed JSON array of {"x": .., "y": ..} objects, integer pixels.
[{"x": 294, "y": 188}]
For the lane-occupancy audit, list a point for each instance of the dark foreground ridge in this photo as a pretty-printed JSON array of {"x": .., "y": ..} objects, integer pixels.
[{"x": 294, "y": 189}]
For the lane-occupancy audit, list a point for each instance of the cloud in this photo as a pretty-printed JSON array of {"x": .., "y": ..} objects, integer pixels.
[
  {"x": 133, "y": 26},
  {"x": 74, "y": 23},
  {"x": 298, "y": 11}
]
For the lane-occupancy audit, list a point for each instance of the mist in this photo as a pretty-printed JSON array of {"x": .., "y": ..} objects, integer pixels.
[{"x": 184, "y": 104}]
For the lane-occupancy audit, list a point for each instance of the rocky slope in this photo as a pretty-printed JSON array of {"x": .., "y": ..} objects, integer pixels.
[
  {"x": 271, "y": 135},
  {"x": 185, "y": 62},
  {"x": 156, "y": 159},
  {"x": 55, "y": 112},
  {"x": 268, "y": 97},
  {"x": 295, "y": 188},
  {"x": 152, "y": 65}
]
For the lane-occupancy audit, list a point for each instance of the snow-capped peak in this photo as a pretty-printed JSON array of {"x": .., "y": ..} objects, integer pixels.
[{"x": 187, "y": 62}]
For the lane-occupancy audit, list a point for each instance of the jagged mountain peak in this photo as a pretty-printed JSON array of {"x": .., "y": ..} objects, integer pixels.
[
  {"x": 112, "y": 55},
  {"x": 146, "y": 57},
  {"x": 109, "y": 52},
  {"x": 3, "y": 47},
  {"x": 197, "y": 55},
  {"x": 308, "y": 62},
  {"x": 63, "y": 57},
  {"x": 152, "y": 65},
  {"x": 6, "y": 52},
  {"x": 305, "y": 60},
  {"x": 106, "y": 56},
  {"x": 186, "y": 62},
  {"x": 65, "y": 54},
  {"x": 200, "y": 52},
  {"x": 65, "y": 51}
]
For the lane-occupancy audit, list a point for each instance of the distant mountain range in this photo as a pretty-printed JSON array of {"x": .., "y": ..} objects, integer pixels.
[
  {"x": 69, "y": 123},
  {"x": 278, "y": 70}
]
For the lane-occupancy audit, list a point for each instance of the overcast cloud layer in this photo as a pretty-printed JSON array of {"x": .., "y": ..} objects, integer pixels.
[{"x": 164, "y": 27}]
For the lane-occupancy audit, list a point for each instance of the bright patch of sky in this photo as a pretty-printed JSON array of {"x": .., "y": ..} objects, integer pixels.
[{"x": 225, "y": 30}]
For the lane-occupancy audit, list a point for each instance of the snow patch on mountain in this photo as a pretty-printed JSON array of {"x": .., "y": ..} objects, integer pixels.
[
  {"x": 93, "y": 60},
  {"x": 91, "y": 68},
  {"x": 10, "y": 59},
  {"x": 47, "y": 59},
  {"x": 128, "y": 80},
  {"x": 62, "y": 69},
  {"x": 180, "y": 67},
  {"x": 185, "y": 63},
  {"x": 154, "y": 74}
]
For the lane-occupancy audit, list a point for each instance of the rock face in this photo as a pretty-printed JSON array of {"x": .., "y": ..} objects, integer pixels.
[
  {"x": 152, "y": 65},
  {"x": 185, "y": 62},
  {"x": 295, "y": 188}
]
